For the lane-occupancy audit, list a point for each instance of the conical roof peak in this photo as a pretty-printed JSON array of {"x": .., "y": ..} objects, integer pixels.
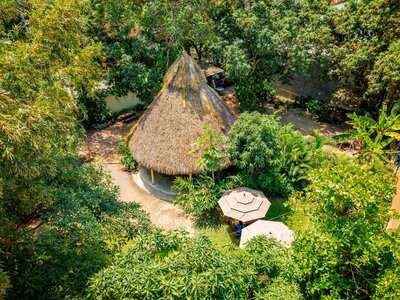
[{"x": 164, "y": 135}]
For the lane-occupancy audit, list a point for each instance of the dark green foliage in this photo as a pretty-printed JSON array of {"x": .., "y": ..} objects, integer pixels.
[
  {"x": 377, "y": 137},
  {"x": 126, "y": 157},
  {"x": 81, "y": 231},
  {"x": 342, "y": 247},
  {"x": 384, "y": 80},
  {"x": 199, "y": 196},
  {"x": 64, "y": 235},
  {"x": 4, "y": 281},
  {"x": 93, "y": 108},
  {"x": 253, "y": 94},
  {"x": 272, "y": 156},
  {"x": 316, "y": 107},
  {"x": 193, "y": 269},
  {"x": 358, "y": 44},
  {"x": 134, "y": 60}
]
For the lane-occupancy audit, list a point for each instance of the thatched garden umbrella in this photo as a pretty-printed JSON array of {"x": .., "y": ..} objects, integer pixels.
[
  {"x": 244, "y": 204},
  {"x": 276, "y": 230}
]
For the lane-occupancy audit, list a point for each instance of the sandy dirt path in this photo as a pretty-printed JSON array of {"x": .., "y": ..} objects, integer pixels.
[
  {"x": 104, "y": 144},
  {"x": 161, "y": 213}
]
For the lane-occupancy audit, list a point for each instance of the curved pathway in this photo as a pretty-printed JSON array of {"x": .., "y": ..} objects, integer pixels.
[
  {"x": 161, "y": 213},
  {"x": 104, "y": 143}
]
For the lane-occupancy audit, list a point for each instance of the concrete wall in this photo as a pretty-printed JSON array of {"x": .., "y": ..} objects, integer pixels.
[
  {"x": 162, "y": 185},
  {"x": 116, "y": 104}
]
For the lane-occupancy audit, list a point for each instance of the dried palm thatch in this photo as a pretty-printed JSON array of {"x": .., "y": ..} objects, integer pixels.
[{"x": 163, "y": 137}]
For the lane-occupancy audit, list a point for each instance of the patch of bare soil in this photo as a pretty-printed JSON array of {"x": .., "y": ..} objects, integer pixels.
[
  {"x": 296, "y": 116},
  {"x": 307, "y": 124},
  {"x": 104, "y": 142}
]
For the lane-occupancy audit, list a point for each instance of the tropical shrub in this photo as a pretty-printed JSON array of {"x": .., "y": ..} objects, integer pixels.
[
  {"x": 93, "y": 108},
  {"x": 126, "y": 157},
  {"x": 377, "y": 137},
  {"x": 316, "y": 107},
  {"x": 342, "y": 248},
  {"x": 275, "y": 274},
  {"x": 280, "y": 289},
  {"x": 236, "y": 63},
  {"x": 279, "y": 262},
  {"x": 199, "y": 196},
  {"x": 210, "y": 148},
  {"x": 272, "y": 156},
  {"x": 195, "y": 269},
  {"x": 388, "y": 284},
  {"x": 253, "y": 93},
  {"x": 4, "y": 282}
]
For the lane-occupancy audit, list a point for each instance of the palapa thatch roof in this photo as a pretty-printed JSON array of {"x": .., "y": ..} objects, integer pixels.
[{"x": 164, "y": 135}]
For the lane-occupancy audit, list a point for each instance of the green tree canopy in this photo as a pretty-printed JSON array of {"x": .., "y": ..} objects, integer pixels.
[
  {"x": 342, "y": 247},
  {"x": 275, "y": 157}
]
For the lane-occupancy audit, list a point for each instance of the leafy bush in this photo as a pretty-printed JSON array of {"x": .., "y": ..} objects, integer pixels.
[
  {"x": 93, "y": 107},
  {"x": 210, "y": 148},
  {"x": 199, "y": 196},
  {"x": 126, "y": 157},
  {"x": 253, "y": 93},
  {"x": 272, "y": 156},
  {"x": 4, "y": 282},
  {"x": 194, "y": 269},
  {"x": 280, "y": 289},
  {"x": 377, "y": 137},
  {"x": 388, "y": 285},
  {"x": 342, "y": 247},
  {"x": 236, "y": 63},
  {"x": 316, "y": 107}
]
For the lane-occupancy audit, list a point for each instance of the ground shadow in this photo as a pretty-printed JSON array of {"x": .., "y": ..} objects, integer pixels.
[{"x": 278, "y": 211}]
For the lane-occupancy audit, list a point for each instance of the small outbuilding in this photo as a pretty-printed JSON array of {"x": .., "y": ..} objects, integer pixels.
[
  {"x": 163, "y": 138},
  {"x": 216, "y": 78}
]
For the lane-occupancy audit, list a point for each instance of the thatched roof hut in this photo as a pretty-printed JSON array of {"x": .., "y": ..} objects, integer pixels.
[{"x": 163, "y": 138}]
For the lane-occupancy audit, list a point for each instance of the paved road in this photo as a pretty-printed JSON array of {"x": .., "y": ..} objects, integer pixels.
[{"x": 162, "y": 213}]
